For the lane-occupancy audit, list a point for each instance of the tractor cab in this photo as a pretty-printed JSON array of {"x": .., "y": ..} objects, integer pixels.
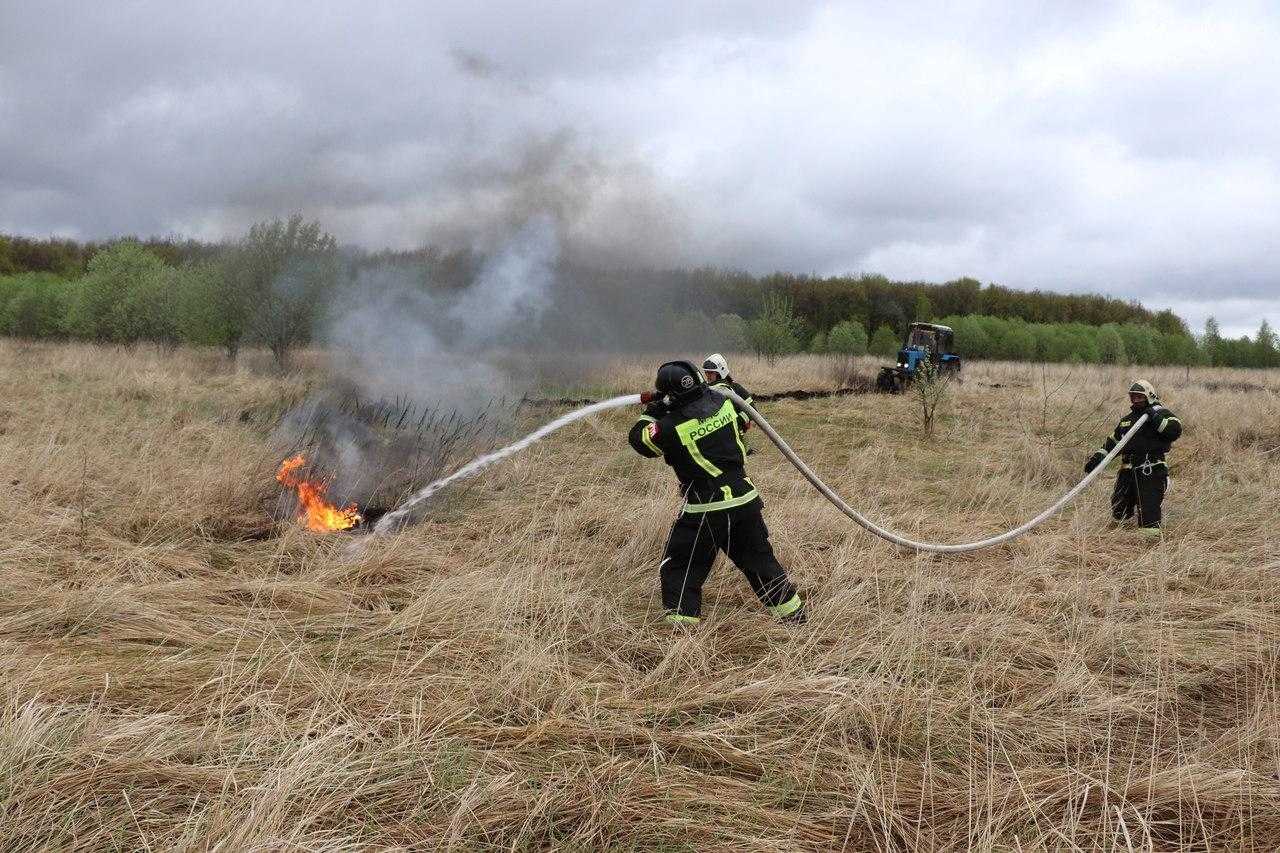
[{"x": 924, "y": 342}]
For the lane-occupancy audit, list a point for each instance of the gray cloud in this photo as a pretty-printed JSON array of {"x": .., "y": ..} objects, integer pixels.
[{"x": 1131, "y": 149}]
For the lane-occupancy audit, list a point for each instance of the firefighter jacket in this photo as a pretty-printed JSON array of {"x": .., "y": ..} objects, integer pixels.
[
  {"x": 702, "y": 441},
  {"x": 741, "y": 392},
  {"x": 1152, "y": 442}
]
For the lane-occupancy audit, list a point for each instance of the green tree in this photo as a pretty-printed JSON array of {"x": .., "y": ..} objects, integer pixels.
[
  {"x": 818, "y": 343},
  {"x": 1170, "y": 324},
  {"x": 283, "y": 272},
  {"x": 1053, "y": 343},
  {"x": 149, "y": 310},
  {"x": 1139, "y": 343},
  {"x": 34, "y": 305},
  {"x": 971, "y": 340},
  {"x": 8, "y": 263},
  {"x": 1178, "y": 349},
  {"x": 884, "y": 342},
  {"x": 1211, "y": 343},
  {"x": 1265, "y": 352},
  {"x": 1020, "y": 341},
  {"x": 1111, "y": 345},
  {"x": 731, "y": 333},
  {"x": 100, "y": 310},
  {"x": 211, "y": 312},
  {"x": 774, "y": 331},
  {"x": 692, "y": 329},
  {"x": 848, "y": 338},
  {"x": 1084, "y": 344},
  {"x": 923, "y": 311}
]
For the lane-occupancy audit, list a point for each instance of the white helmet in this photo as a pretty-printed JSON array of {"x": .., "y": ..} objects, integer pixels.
[{"x": 716, "y": 362}]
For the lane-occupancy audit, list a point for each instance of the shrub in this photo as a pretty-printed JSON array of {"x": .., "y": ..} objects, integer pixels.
[
  {"x": 103, "y": 299},
  {"x": 730, "y": 333},
  {"x": 1111, "y": 348},
  {"x": 848, "y": 338},
  {"x": 884, "y": 342}
]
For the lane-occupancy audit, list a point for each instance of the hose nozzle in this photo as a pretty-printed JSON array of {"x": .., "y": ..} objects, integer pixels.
[{"x": 647, "y": 397}]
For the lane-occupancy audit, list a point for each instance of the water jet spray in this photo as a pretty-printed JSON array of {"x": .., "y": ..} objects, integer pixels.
[{"x": 392, "y": 518}]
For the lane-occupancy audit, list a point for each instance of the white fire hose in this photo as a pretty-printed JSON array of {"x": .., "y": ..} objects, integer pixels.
[
  {"x": 870, "y": 526},
  {"x": 391, "y": 519}
]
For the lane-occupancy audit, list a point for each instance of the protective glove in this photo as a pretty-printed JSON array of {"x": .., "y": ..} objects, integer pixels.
[
  {"x": 656, "y": 409},
  {"x": 1094, "y": 461}
]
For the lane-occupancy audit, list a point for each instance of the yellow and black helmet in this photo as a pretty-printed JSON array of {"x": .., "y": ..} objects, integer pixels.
[{"x": 1146, "y": 389}]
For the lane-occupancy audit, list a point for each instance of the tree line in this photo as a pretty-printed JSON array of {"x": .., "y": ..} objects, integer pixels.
[
  {"x": 268, "y": 289},
  {"x": 775, "y": 332},
  {"x": 277, "y": 285}
]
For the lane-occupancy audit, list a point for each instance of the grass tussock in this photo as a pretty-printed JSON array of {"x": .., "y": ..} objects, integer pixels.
[{"x": 494, "y": 678}]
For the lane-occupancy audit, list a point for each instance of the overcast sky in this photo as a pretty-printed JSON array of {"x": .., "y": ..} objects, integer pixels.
[{"x": 1131, "y": 149}]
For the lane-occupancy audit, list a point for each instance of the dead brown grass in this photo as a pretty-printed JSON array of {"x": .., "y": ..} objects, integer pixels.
[{"x": 494, "y": 678}]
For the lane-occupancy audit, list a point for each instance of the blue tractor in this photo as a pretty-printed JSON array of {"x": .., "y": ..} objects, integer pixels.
[{"x": 926, "y": 344}]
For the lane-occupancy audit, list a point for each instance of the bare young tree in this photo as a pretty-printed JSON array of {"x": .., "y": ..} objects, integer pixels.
[{"x": 930, "y": 388}]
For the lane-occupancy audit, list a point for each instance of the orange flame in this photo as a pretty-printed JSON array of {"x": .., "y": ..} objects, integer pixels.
[{"x": 313, "y": 510}]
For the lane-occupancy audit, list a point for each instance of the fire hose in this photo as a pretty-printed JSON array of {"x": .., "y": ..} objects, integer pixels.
[
  {"x": 903, "y": 541},
  {"x": 388, "y": 521}
]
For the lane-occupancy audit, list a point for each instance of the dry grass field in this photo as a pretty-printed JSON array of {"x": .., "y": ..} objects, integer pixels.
[{"x": 179, "y": 674}]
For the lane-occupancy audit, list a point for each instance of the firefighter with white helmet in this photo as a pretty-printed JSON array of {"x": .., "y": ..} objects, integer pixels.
[
  {"x": 716, "y": 368},
  {"x": 1144, "y": 472}
]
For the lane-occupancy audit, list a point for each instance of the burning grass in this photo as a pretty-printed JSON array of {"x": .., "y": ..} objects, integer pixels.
[
  {"x": 493, "y": 677},
  {"x": 315, "y": 512}
]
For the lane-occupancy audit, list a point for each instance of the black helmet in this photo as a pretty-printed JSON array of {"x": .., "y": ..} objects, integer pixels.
[{"x": 679, "y": 380}]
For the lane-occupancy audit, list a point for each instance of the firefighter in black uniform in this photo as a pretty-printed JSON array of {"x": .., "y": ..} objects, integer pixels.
[
  {"x": 696, "y": 431},
  {"x": 1144, "y": 473},
  {"x": 716, "y": 369}
]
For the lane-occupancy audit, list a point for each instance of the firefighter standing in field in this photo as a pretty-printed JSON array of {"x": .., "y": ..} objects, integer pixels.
[
  {"x": 698, "y": 433},
  {"x": 716, "y": 369},
  {"x": 1144, "y": 473}
]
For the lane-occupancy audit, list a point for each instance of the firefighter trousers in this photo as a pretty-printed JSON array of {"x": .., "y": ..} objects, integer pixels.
[
  {"x": 1140, "y": 494},
  {"x": 740, "y": 533}
]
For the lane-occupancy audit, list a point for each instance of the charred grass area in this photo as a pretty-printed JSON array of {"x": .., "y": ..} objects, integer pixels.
[{"x": 495, "y": 677}]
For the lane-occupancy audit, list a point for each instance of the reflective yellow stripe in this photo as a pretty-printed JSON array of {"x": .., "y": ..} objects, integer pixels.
[
  {"x": 1168, "y": 421},
  {"x": 649, "y": 419},
  {"x": 724, "y": 417},
  {"x": 730, "y": 503},
  {"x": 786, "y": 608},
  {"x": 648, "y": 442},
  {"x": 737, "y": 436},
  {"x": 681, "y": 619}
]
